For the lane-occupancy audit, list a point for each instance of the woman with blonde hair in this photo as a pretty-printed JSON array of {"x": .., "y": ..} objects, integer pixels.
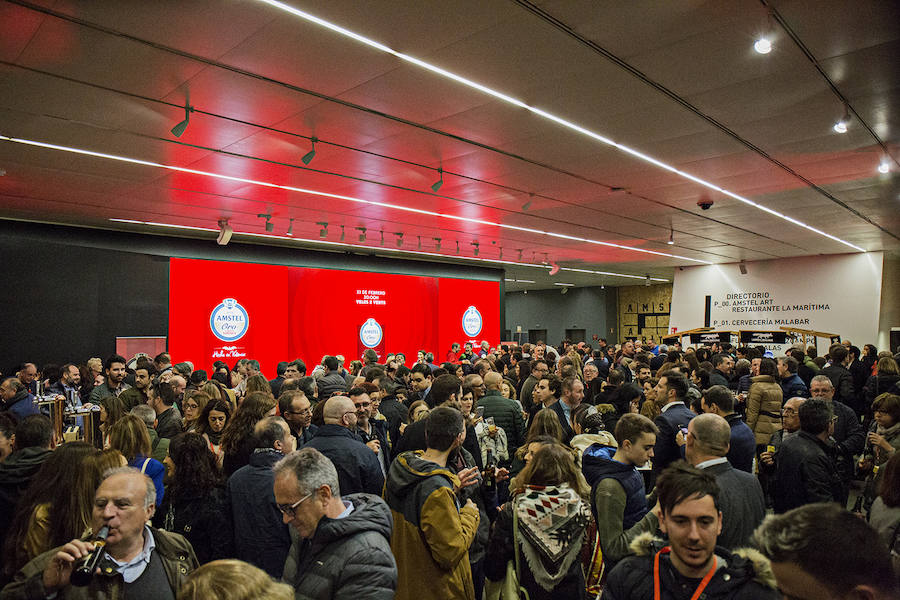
[
  {"x": 129, "y": 436},
  {"x": 258, "y": 383},
  {"x": 230, "y": 579}
]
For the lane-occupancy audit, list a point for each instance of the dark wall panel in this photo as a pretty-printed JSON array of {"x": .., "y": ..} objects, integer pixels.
[
  {"x": 63, "y": 303},
  {"x": 67, "y": 292}
]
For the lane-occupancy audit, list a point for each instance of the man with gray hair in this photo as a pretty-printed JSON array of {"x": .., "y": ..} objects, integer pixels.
[
  {"x": 805, "y": 470},
  {"x": 357, "y": 466},
  {"x": 139, "y": 561},
  {"x": 848, "y": 434},
  {"x": 740, "y": 494},
  {"x": 342, "y": 544}
]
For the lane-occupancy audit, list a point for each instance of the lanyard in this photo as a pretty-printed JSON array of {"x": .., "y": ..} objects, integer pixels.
[{"x": 703, "y": 583}]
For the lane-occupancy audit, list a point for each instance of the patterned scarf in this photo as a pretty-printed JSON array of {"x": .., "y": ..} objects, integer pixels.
[{"x": 552, "y": 524}]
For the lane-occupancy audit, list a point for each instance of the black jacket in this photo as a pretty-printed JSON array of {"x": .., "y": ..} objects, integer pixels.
[
  {"x": 414, "y": 439},
  {"x": 850, "y": 439},
  {"x": 201, "y": 517},
  {"x": 742, "y": 503},
  {"x": 877, "y": 385},
  {"x": 507, "y": 416},
  {"x": 261, "y": 537},
  {"x": 16, "y": 473},
  {"x": 357, "y": 467},
  {"x": 346, "y": 559},
  {"x": 843, "y": 384},
  {"x": 745, "y": 576},
  {"x": 168, "y": 423},
  {"x": 568, "y": 432},
  {"x": 805, "y": 473},
  {"x": 666, "y": 450}
]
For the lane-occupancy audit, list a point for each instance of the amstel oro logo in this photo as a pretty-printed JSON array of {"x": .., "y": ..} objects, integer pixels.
[
  {"x": 370, "y": 333},
  {"x": 471, "y": 321},
  {"x": 229, "y": 321}
]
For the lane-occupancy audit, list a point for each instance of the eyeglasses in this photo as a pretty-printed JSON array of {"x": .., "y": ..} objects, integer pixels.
[
  {"x": 362, "y": 404},
  {"x": 302, "y": 413},
  {"x": 290, "y": 510}
]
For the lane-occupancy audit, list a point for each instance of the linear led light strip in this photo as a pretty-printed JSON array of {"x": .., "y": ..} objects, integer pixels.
[
  {"x": 420, "y": 211},
  {"x": 386, "y": 249},
  {"x": 542, "y": 113}
]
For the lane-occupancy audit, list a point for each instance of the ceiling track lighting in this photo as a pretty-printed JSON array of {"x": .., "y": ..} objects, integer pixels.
[
  {"x": 437, "y": 244},
  {"x": 178, "y": 130},
  {"x": 323, "y": 233},
  {"x": 225, "y": 232},
  {"x": 486, "y": 260},
  {"x": 841, "y": 125},
  {"x": 419, "y": 245},
  {"x": 437, "y": 184},
  {"x": 382, "y": 237},
  {"x": 342, "y": 233},
  {"x": 290, "y": 230},
  {"x": 419, "y": 211},
  {"x": 457, "y": 246},
  {"x": 307, "y": 158},
  {"x": 501, "y": 252},
  {"x": 270, "y": 227},
  {"x": 399, "y": 235},
  {"x": 671, "y": 237},
  {"x": 476, "y": 246},
  {"x": 362, "y": 233},
  {"x": 647, "y": 281}
]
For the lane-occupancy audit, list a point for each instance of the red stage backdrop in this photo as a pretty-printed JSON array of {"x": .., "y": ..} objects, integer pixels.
[{"x": 228, "y": 310}]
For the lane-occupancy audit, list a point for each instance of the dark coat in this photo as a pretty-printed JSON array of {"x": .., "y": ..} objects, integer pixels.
[
  {"x": 16, "y": 473},
  {"x": 357, "y": 467},
  {"x": 261, "y": 537},
  {"x": 507, "y": 416},
  {"x": 745, "y": 576},
  {"x": 741, "y": 502},
  {"x": 849, "y": 440},
  {"x": 666, "y": 451},
  {"x": 793, "y": 387},
  {"x": 346, "y": 559},
  {"x": 168, "y": 423},
  {"x": 743, "y": 444},
  {"x": 22, "y": 405},
  {"x": 877, "y": 385},
  {"x": 203, "y": 518},
  {"x": 718, "y": 378},
  {"x": 568, "y": 432},
  {"x": 805, "y": 473},
  {"x": 843, "y": 384},
  {"x": 414, "y": 439},
  {"x": 330, "y": 383}
]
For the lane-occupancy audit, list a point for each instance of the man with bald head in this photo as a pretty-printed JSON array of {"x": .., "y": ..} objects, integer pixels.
[
  {"x": 505, "y": 412},
  {"x": 741, "y": 497},
  {"x": 357, "y": 464}
]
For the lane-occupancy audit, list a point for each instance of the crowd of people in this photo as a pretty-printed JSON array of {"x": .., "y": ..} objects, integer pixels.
[{"x": 622, "y": 471}]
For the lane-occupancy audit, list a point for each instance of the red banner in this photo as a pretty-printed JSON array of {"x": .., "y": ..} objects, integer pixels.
[{"x": 227, "y": 311}]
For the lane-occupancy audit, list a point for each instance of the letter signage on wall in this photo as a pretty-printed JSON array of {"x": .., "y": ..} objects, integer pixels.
[{"x": 839, "y": 294}]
